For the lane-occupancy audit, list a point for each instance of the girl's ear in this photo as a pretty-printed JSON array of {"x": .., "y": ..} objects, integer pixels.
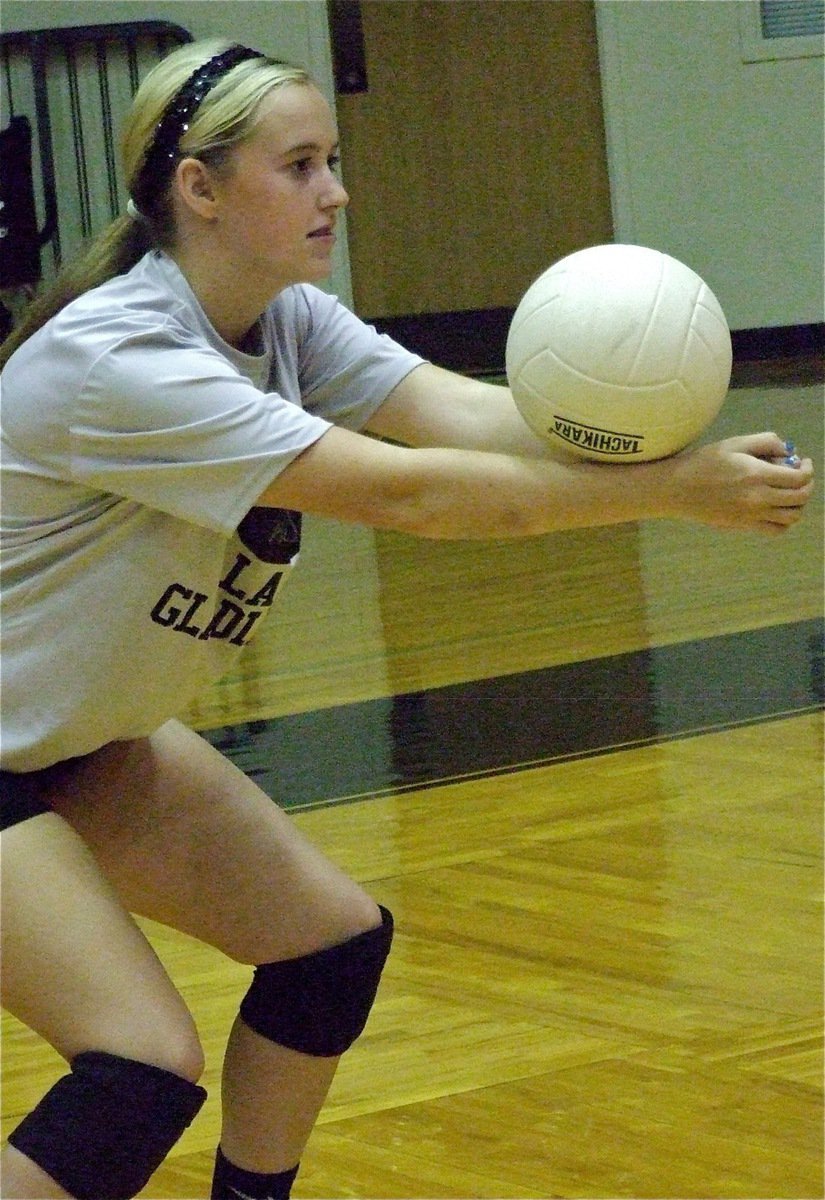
[{"x": 194, "y": 185}]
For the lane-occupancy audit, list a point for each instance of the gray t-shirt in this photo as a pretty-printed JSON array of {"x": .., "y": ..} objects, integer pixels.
[{"x": 135, "y": 442}]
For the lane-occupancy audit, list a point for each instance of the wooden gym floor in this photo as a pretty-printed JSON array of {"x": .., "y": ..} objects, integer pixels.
[{"x": 585, "y": 772}]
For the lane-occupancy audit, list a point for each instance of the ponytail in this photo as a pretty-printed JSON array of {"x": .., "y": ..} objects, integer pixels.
[{"x": 113, "y": 252}]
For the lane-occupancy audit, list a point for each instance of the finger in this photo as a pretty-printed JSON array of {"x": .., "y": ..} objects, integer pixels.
[
  {"x": 786, "y": 516},
  {"x": 785, "y": 475},
  {"x": 776, "y": 527},
  {"x": 771, "y": 528},
  {"x": 789, "y": 497},
  {"x": 760, "y": 445}
]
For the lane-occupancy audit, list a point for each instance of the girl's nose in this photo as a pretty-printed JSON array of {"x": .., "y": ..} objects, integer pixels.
[
  {"x": 334, "y": 195},
  {"x": 337, "y": 195}
]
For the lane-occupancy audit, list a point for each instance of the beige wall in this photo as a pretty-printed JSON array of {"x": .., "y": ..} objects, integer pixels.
[{"x": 714, "y": 159}]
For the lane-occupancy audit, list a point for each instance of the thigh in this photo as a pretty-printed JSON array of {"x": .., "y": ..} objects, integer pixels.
[
  {"x": 76, "y": 968},
  {"x": 189, "y": 840}
]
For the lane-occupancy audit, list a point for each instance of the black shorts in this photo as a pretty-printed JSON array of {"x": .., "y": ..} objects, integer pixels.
[{"x": 20, "y": 798}]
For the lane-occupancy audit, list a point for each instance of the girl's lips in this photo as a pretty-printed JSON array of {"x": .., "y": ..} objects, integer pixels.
[{"x": 326, "y": 231}]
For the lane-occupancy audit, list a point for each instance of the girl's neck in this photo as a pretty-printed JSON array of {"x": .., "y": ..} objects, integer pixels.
[{"x": 229, "y": 297}]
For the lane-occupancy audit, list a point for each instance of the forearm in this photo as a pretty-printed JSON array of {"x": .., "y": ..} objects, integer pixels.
[
  {"x": 478, "y": 495},
  {"x": 739, "y": 483},
  {"x": 735, "y": 484},
  {"x": 449, "y": 493},
  {"x": 445, "y": 493}
]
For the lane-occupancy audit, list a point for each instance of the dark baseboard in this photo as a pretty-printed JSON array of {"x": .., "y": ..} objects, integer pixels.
[
  {"x": 787, "y": 354},
  {"x": 473, "y": 341},
  {"x": 785, "y": 341}
]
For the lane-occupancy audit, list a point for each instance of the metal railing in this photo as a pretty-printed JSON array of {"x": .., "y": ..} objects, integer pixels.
[{"x": 63, "y": 94}]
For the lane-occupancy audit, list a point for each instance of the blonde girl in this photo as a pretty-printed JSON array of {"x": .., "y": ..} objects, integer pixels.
[{"x": 170, "y": 410}]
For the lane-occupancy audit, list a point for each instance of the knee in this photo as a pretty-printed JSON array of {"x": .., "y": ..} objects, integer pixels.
[
  {"x": 318, "y": 1004},
  {"x": 104, "y": 1129},
  {"x": 182, "y": 1055},
  {"x": 361, "y": 915},
  {"x": 167, "y": 1039}
]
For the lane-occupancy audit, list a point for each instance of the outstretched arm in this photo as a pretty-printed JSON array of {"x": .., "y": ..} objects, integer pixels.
[{"x": 470, "y": 468}]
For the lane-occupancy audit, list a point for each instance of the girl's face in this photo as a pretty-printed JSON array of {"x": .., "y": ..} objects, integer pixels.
[{"x": 278, "y": 201}]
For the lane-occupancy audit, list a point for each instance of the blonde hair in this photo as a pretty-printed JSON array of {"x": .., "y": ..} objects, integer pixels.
[{"x": 226, "y": 116}]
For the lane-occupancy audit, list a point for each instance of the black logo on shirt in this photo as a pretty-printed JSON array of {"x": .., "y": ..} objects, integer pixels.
[{"x": 273, "y": 536}]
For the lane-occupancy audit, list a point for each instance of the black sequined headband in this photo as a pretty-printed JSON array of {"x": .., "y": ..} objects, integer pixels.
[{"x": 175, "y": 121}]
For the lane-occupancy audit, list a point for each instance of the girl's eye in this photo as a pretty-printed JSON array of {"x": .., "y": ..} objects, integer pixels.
[{"x": 303, "y": 167}]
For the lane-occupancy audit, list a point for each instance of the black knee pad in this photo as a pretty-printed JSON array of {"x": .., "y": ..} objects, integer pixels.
[
  {"x": 319, "y": 1003},
  {"x": 20, "y": 798},
  {"x": 102, "y": 1131}
]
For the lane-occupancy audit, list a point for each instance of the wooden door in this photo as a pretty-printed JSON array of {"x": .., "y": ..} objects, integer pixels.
[{"x": 476, "y": 157}]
